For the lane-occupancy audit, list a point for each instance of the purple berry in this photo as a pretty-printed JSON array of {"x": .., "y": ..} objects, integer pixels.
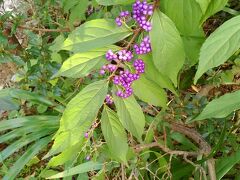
[
  {"x": 144, "y": 47},
  {"x": 140, "y": 12},
  {"x": 101, "y": 72},
  {"x": 125, "y": 55},
  {"x": 124, "y": 14},
  {"x": 110, "y": 55},
  {"x": 88, "y": 158},
  {"x": 118, "y": 21},
  {"x": 109, "y": 99},
  {"x": 86, "y": 135},
  {"x": 139, "y": 66}
]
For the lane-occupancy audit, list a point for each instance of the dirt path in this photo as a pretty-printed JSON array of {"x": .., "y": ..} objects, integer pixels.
[{"x": 7, "y": 70}]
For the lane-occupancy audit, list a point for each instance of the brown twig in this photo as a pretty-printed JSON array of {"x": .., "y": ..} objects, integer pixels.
[
  {"x": 44, "y": 30},
  {"x": 139, "y": 148},
  {"x": 136, "y": 33},
  {"x": 197, "y": 138},
  {"x": 192, "y": 134}
]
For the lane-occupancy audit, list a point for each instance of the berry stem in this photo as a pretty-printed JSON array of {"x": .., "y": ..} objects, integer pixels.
[{"x": 136, "y": 33}]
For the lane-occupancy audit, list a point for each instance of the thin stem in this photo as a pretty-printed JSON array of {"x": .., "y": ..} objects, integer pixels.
[
  {"x": 139, "y": 148},
  {"x": 136, "y": 33},
  {"x": 44, "y": 30}
]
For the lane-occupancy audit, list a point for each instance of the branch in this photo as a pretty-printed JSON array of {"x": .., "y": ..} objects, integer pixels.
[
  {"x": 44, "y": 30},
  {"x": 197, "y": 138},
  {"x": 136, "y": 32},
  {"x": 139, "y": 148}
]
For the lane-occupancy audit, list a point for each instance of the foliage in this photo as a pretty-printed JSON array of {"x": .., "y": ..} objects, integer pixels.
[{"x": 113, "y": 88}]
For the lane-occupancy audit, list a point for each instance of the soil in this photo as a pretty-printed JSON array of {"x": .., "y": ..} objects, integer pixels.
[{"x": 7, "y": 70}]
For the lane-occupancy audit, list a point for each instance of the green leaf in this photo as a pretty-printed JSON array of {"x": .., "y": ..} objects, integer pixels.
[
  {"x": 192, "y": 46},
  {"x": 184, "y": 141},
  {"x": 151, "y": 72},
  {"x": 225, "y": 164},
  {"x": 30, "y": 96},
  {"x": 79, "y": 115},
  {"x": 6, "y": 101},
  {"x": 95, "y": 34},
  {"x": 203, "y": 4},
  {"x": 114, "y": 134},
  {"x": 15, "y": 146},
  {"x": 150, "y": 92},
  {"x": 82, "y": 168},
  {"x": 187, "y": 16},
  {"x": 130, "y": 114},
  {"x": 114, "y": 2},
  {"x": 69, "y": 155},
  {"x": 28, "y": 121},
  {"x": 167, "y": 47},
  {"x": 78, "y": 12},
  {"x": 221, "y": 107},
  {"x": 213, "y": 7},
  {"x": 26, "y": 157},
  {"x": 57, "y": 43},
  {"x": 81, "y": 64},
  {"x": 187, "y": 19},
  {"x": 220, "y": 45},
  {"x": 67, "y": 5}
]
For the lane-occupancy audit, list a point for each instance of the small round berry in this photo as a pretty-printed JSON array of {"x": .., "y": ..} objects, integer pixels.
[
  {"x": 88, "y": 158},
  {"x": 86, "y": 135},
  {"x": 118, "y": 21},
  {"x": 101, "y": 72},
  {"x": 109, "y": 99}
]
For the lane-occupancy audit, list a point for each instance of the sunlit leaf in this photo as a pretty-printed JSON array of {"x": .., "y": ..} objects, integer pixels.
[
  {"x": 95, "y": 34},
  {"x": 114, "y": 134},
  {"x": 167, "y": 46},
  {"x": 220, "y": 45}
]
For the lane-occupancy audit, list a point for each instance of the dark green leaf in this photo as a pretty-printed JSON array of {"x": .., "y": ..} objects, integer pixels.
[
  {"x": 15, "y": 146},
  {"x": 225, "y": 164},
  {"x": 6, "y": 102},
  {"x": 78, "y": 12},
  {"x": 192, "y": 46},
  {"x": 26, "y": 157},
  {"x": 30, "y": 96},
  {"x": 113, "y": 2},
  {"x": 28, "y": 121}
]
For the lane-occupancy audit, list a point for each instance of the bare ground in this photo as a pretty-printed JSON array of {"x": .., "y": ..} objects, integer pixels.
[{"x": 7, "y": 70}]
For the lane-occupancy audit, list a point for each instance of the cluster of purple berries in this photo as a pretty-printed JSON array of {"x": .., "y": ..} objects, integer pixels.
[
  {"x": 144, "y": 47},
  {"x": 139, "y": 66},
  {"x": 109, "y": 99},
  {"x": 109, "y": 68},
  {"x": 125, "y": 80},
  {"x": 141, "y": 11},
  {"x": 120, "y": 18},
  {"x": 122, "y": 55},
  {"x": 111, "y": 56}
]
